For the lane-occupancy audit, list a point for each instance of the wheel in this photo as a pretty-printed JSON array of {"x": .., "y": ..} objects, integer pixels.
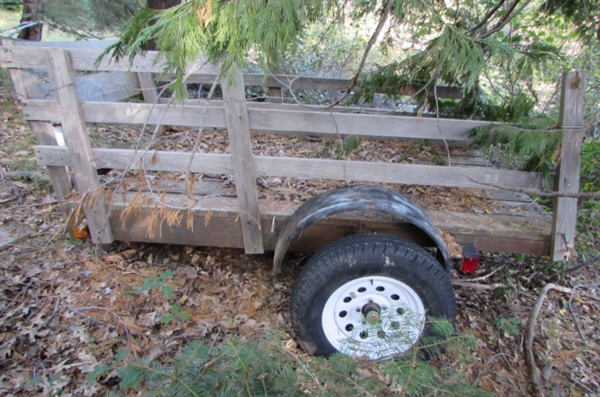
[{"x": 369, "y": 295}]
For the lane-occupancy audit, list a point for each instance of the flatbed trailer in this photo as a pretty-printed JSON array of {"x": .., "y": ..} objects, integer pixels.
[{"x": 348, "y": 227}]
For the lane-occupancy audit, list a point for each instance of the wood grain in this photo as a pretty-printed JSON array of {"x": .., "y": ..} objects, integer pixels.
[
  {"x": 275, "y": 119},
  {"x": 358, "y": 171},
  {"x": 491, "y": 233},
  {"x": 27, "y": 87},
  {"x": 87, "y": 59},
  {"x": 564, "y": 221},
  {"x": 242, "y": 161},
  {"x": 79, "y": 147}
]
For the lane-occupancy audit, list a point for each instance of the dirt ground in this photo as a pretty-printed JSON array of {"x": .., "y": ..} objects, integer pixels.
[{"x": 67, "y": 306}]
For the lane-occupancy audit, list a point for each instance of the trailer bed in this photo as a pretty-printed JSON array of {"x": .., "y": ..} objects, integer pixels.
[{"x": 510, "y": 222}]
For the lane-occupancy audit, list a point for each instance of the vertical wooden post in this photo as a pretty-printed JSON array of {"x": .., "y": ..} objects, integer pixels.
[
  {"x": 244, "y": 170},
  {"x": 27, "y": 87},
  {"x": 71, "y": 116},
  {"x": 275, "y": 93},
  {"x": 567, "y": 177},
  {"x": 149, "y": 92},
  {"x": 148, "y": 86}
]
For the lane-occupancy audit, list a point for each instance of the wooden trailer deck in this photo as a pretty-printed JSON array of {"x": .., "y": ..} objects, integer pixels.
[
  {"x": 216, "y": 223},
  {"x": 241, "y": 214}
]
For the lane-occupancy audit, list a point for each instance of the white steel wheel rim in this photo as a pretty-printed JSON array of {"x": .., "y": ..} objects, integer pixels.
[{"x": 391, "y": 330}]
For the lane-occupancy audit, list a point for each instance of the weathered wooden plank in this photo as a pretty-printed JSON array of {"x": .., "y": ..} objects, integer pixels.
[
  {"x": 201, "y": 188},
  {"x": 86, "y": 60},
  {"x": 492, "y": 233},
  {"x": 150, "y": 161},
  {"x": 313, "y": 239},
  {"x": 150, "y": 93},
  {"x": 412, "y": 174},
  {"x": 363, "y": 125},
  {"x": 80, "y": 149},
  {"x": 216, "y": 221},
  {"x": 69, "y": 45},
  {"x": 277, "y": 80},
  {"x": 135, "y": 229},
  {"x": 469, "y": 161},
  {"x": 132, "y": 113},
  {"x": 242, "y": 161},
  {"x": 571, "y": 120},
  {"x": 27, "y": 87},
  {"x": 311, "y": 83},
  {"x": 101, "y": 87},
  {"x": 148, "y": 87},
  {"x": 264, "y": 119},
  {"x": 359, "y": 171}
]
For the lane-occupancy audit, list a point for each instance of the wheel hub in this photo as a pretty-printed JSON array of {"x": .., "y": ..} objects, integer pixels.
[
  {"x": 373, "y": 316},
  {"x": 372, "y": 313}
]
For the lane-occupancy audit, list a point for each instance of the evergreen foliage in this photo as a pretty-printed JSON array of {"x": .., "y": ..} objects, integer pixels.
[
  {"x": 453, "y": 44},
  {"x": 536, "y": 150},
  {"x": 83, "y": 19},
  {"x": 588, "y": 239},
  {"x": 267, "y": 368},
  {"x": 226, "y": 32},
  {"x": 585, "y": 14},
  {"x": 11, "y": 5},
  {"x": 88, "y": 19}
]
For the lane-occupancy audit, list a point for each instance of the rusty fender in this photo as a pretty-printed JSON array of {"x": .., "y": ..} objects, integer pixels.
[{"x": 357, "y": 198}]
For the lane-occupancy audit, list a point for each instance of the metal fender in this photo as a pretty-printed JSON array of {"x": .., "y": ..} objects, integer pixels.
[{"x": 356, "y": 198}]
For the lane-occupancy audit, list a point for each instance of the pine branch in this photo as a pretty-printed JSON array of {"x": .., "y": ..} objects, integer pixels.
[
  {"x": 488, "y": 16},
  {"x": 382, "y": 20},
  {"x": 509, "y": 16}
]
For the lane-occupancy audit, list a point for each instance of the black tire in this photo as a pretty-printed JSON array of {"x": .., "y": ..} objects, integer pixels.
[{"x": 376, "y": 276}]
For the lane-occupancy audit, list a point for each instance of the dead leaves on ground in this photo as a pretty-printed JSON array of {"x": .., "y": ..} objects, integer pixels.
[{"x": 61, "y": 319}]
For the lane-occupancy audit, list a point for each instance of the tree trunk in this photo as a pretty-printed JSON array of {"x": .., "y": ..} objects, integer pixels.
[
  {"x": 161, "y": 4},
  {"x": 32, "y": 12}
]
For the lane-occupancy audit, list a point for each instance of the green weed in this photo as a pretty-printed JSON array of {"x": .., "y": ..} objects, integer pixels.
[
  {"x": 509, "y": 325},
  {"x": 160, "y": 283},
  {"x": 588, "y": 222}
]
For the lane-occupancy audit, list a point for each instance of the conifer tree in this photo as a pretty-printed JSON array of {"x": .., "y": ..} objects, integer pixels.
[
  {"x": 458, "y": 43},
  {"x": 159, "y": 5},
  {"x": 31, "y": 17},
  {"x": 84, "y": 19}
]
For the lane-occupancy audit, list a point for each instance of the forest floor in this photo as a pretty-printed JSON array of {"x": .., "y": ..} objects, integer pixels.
[{"x": 68, "y": 307}]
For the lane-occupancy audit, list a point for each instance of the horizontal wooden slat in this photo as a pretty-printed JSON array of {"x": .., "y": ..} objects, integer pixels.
[
  {"x": 101, "y": 87},
  {"x": 267, "y": 119},
  {"x": 69, "y": 45},
  {"x": 258, "y": 79},
  {"x": 364, "y": 125},
  {"x": 216, "y": 224},
  {"x": 311, "y": 83},
  {"x": 132, "y": 113},
  {"x": 84, "y": 59},
  {"x": 152, "y": 161},
  {"x": 411, "y": 174},
  {"x": 358, "y": 171}
]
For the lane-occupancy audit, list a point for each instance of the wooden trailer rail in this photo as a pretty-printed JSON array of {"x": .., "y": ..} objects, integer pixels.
[{"x": 240, "y": 219}]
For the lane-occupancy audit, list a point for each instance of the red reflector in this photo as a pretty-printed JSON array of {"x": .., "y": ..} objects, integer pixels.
[{"x": 470, "y": 258}]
